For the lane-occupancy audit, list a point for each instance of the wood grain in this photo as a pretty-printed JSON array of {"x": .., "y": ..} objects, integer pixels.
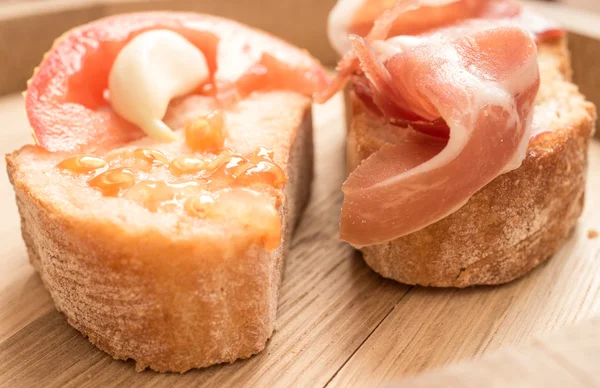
[
  {"x": 337, "y": 319},
  {"x": 339, "y": 323},
  {"x": 567, "y": 359}
]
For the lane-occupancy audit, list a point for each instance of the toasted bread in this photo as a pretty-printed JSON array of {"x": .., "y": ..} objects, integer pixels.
[
  {"x": 170, "y": 292},
  {"x": 516, "y": 221}
]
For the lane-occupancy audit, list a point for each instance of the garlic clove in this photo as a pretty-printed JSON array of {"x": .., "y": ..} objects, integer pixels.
[{"x": 152, "y": 69}]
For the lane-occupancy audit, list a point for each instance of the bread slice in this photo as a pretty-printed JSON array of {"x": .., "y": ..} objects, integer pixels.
[
  {"x": 515, "y": 222},
  {"x": 166, "y": 290}
]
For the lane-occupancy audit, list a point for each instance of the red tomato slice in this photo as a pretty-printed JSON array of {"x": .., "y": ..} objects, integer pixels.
[{"x": 66, "y": 103}]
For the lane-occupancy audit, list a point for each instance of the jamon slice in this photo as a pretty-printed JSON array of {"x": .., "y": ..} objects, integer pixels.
[
  {"x": 515, "y": 222},
  {"x": 483, "y": 86},
  {"x": 380, "y": 19}
]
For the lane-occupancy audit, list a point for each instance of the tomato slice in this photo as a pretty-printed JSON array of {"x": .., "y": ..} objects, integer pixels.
[{"x": 66, "y": 98}]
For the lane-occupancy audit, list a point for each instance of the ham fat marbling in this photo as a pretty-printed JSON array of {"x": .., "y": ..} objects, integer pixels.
[{"x": 468, "y": 84}]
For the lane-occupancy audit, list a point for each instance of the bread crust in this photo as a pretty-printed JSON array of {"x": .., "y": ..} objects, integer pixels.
[
  {"x": 508, "y": 227},
  {"x": 171, "y": 305}
]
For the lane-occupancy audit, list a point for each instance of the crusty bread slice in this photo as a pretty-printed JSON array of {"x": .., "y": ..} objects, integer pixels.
[
  {"x": 515, "y": 222},
  {"x": 169, "y": 292}
]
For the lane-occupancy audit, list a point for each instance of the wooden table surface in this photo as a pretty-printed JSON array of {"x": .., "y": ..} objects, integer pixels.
[{"x": 338, "y": 322}]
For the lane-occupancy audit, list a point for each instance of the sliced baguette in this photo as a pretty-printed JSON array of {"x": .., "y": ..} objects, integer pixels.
[
  {"x": 515, "y": 222},
  {"x": 158, "y": 288}
]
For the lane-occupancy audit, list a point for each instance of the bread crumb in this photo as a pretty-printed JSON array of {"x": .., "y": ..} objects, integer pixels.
[{"x": 592, "y": 233}]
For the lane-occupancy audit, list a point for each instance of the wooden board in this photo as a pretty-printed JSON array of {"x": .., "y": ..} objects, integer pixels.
[{"x": 338, "y": 322}]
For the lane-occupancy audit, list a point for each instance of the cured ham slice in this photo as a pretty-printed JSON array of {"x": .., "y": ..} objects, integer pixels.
[
  {"x": 413, "y": 17},
  {"x": 482, "y": 85}
]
